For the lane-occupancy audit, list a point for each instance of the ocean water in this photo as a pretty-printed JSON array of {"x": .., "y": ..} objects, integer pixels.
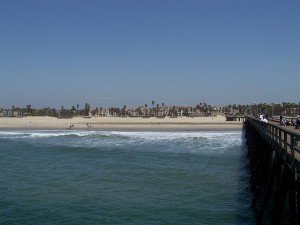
[{"x": 110, "y": 177}]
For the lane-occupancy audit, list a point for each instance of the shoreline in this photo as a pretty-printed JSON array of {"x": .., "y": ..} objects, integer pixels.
[{"x": 218, "y": 123}]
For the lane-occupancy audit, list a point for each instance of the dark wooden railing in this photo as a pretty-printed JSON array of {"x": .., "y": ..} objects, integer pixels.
[{"x": 282, "y": 139}]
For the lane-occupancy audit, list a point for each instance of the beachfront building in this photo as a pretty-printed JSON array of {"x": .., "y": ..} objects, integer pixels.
[
  {"x": 100, "y": 112},
  {"x": 132, "y": 112},
  {"x": 163, "y": 111},
  {"x": 218, "y": 109},
  {"x": 195, "y": 113},
  {"x": 145, "y": 112},
  {"x": 104, "y": 112},
  {"x": 10, "y": 113}
]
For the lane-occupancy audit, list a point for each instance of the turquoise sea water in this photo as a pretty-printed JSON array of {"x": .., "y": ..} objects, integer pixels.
[{"x": 109, "y": 177}]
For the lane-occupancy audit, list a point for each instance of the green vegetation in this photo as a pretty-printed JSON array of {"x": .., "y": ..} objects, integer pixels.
[{"x": 161, "y": 110}]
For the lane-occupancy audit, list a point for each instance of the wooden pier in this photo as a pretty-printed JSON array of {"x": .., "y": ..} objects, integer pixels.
[
  {"x": 274, "y": 162},
  {"x": 235, "y": 118}
]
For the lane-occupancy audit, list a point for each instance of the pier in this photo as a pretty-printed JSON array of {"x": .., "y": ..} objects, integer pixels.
[
  {"x": 235, "y": 118},
  {"x": 274, "y": 163}
]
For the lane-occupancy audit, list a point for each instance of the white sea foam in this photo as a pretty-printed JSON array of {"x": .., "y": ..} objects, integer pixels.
[
  {"x": 43, "y": 134},
  {"x": 227, "y": 138},
  {"x": 146, "y": 135},
  {"x": 210, "y": 142}
]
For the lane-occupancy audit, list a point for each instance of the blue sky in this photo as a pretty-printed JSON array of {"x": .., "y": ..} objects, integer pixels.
[{"x": 130, "y": 52}]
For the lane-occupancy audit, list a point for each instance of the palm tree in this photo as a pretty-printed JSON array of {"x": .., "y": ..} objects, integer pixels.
[
  {"x": 173, "y": 110},
  {"x": 156, "y": 110},
  {"x": 153, "y": 107},
  {"x": 87, "y": 109},
  {"x": 139, "y": 110},
  {"x": 145, "y": 109},
  {"x": 28, "y": 107},
  {"x": 124, "y": 109}
]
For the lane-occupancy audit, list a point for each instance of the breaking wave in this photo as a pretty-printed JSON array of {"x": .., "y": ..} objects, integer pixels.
[{"x": 209, "y": 141}]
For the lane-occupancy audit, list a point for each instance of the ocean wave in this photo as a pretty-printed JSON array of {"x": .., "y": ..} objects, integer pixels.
[
  {"x": 43, "y": 134},
  {"x": 210, "y": 139},
  {"x": 140, "y": 134},
  {"x": 212, "y": 142}
]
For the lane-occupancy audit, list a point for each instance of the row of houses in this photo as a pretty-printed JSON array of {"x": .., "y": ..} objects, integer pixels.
[
  {"x": 160, "y": 111},
  {"x": 9, "y": 113},
  {"x": 13, "y": 113}
]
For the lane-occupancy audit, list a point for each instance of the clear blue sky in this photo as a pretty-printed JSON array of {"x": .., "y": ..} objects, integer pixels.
[{"x": 130, "y": 52}]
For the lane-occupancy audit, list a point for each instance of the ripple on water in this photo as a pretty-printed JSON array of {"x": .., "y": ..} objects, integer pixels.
[{"x": 106, "y": 177}]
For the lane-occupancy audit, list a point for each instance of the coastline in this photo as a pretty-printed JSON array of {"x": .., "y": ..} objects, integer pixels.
[{"x": 122, "y": 124}]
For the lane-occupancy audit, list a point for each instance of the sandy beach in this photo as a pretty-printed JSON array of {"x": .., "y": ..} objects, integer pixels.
[{"x": 118, "y": 123}]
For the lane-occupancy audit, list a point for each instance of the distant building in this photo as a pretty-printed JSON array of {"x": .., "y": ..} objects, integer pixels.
[{"x": 10, "y": 113}]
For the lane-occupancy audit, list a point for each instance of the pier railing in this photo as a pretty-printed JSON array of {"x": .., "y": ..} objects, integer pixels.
[{"x": 282, "y": 139}]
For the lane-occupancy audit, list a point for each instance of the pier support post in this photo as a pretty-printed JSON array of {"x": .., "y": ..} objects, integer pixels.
[
  {"x": 262, "y": 173},
  {"x": 294, "y": 200},
  {"x": 268, "y": 191},
  {"x": 280, "y": 195}
]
